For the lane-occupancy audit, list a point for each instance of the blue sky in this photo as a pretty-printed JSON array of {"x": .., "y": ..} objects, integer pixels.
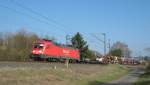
[{"x": 122, "y": 20}]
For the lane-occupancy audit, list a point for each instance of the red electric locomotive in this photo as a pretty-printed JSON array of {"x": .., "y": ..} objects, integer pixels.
[{"x": 46, "y": 49}]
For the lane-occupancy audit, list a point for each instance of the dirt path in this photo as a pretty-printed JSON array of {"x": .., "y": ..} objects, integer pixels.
[{"x": 128, "y": 79}]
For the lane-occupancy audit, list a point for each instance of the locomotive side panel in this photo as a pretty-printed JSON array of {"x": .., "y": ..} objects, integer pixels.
[{"x": 52, "y": 51}]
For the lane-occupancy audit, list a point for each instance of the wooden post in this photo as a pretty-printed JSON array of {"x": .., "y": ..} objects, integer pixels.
[{"x": 67, "y": 62}]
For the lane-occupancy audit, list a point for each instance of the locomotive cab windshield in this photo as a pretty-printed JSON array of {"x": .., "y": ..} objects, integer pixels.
[{"x": 39, "y": 46}]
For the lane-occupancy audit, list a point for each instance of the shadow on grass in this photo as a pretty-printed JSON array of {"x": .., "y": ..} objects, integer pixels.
[
  {"x": 143, "y": 83},
  {"x": 145, "y": 79},
  {"x": 102, "y": 83},
  {"x": 146, "y": 75},
  {"x": 146, "y": 82},
  {"x": 95, "y": 83}
]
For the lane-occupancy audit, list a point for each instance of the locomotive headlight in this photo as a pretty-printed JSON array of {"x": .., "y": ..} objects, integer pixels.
[
  {"x": 33, "y": 51},
  {"x": 40, "y": 51}
]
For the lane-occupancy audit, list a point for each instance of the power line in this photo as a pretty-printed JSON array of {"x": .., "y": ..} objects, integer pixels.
[
  {"x": 109, "y": 45},
  {"x": 104, "y": 34},
  {"x": 16, "y": 11},
  {"x": 92, "y": 40},
  {"x": 97, "y": 38},
  {"x": 103, "y": 41},
  {"x": 41, "y": 15},
  {"x": 25, "y": 14}
]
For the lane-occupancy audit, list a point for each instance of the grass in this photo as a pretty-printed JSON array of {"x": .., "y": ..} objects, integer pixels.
[
  {"x": 75, "y": 75},
  {"x": 144, "y": 78},
  {"x": 108, "y": 74}
]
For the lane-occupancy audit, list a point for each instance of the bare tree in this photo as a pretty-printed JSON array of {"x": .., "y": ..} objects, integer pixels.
[
  {"x": 16, "y": 46},
  {"x": 126, "y": 52},
  {"x": 147, "y": 50}
]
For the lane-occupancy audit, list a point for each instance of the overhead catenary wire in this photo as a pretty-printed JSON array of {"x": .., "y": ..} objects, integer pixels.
[
  {"x": 41, "y": 15},
  {"x": 103, "y": 41},
  {"x": 97, "y": 38},
  {"x": 34, "y": 18},
  {"x": 25, "y": 14},
  {"x": 44, "y": 16},
  {"x": 16, "y": 11}
]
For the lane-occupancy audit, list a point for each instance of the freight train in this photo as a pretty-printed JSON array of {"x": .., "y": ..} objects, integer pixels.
[{"x": 48, "y": 50}]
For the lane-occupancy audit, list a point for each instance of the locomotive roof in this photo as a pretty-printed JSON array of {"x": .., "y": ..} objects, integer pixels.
[
  {"x": 60, "y": 45},
  {"x": 64, "y": 46}
]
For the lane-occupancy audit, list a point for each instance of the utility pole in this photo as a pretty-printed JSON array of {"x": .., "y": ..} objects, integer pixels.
[
  {"x": 104, "y": 41},
  {"x": 142, "y": 57},
  {"x": 67, "y": 39},
  {"x": 109, "y": 45},
  {"x": 67, "y": 43}
]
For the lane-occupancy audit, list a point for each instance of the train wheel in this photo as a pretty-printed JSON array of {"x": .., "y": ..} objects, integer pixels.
[{"x": 49, "y": 59}]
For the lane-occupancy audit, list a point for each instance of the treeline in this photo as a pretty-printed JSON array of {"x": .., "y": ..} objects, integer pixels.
[{"x": 16, "y": 46}]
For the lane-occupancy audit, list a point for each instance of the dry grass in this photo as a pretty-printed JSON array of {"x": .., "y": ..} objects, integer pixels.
[{"x": 75, "y": 75}]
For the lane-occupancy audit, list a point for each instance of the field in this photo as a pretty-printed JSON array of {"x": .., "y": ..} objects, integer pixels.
[{"x": 27, "y": 73}]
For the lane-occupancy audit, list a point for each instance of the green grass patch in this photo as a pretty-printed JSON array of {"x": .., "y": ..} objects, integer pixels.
[{"x": 110, "y": 73}]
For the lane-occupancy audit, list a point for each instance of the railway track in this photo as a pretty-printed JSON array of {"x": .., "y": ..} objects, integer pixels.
[{"x": 41, "y": 64}]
